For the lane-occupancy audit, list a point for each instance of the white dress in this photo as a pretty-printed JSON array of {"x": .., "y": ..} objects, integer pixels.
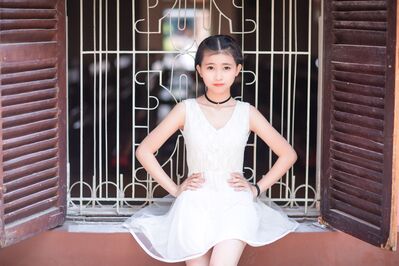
[{"x": 198, "y": 219}]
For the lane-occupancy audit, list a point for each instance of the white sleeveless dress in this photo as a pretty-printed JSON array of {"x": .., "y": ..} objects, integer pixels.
[{"x": 198, "y": 219}]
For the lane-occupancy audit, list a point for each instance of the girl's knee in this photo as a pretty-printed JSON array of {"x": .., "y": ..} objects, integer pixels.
[
  {"x": 223, "y": 262},
  {"x": 227, "y": 253},
  {"x": 200, "y": 261}
]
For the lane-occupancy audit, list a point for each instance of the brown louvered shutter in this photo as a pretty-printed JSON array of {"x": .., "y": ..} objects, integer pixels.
[
  {"x": 32, "y": 118},
  {"x": 358, "y": 117}
]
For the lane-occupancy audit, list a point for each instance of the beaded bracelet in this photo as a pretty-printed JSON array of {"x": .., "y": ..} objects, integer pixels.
[{"x": 258, "y": 190}]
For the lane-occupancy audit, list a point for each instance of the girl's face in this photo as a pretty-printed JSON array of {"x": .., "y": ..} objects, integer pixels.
[{"x": 218, "y": 71}]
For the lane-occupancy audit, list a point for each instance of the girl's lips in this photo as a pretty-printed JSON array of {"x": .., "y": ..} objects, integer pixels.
[{"x": 218, "y": 84}]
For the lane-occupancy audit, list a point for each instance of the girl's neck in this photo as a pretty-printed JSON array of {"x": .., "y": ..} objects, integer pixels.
[{"x": 218, "y": 97}]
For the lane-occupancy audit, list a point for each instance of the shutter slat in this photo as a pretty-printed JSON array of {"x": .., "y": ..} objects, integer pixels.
[
  {"x": 346, "y": 97},
  {"x": 30, "y": 179},
  {"x": 29, "y": 97},
  {"x": 28, "y": 35},
  {"x": 29, "y": 169},
  {"x": 360, "y": 68},
  {"x": 357, "y": 141},
  {"x": 364, "y": 163},
  {"x": 361, "y": 25},
  {"x": 29, "y": 51},
  {"x": 31, "y": 127},
  {"x": 358, "y": 192},
  {"x": 358, "y": 109},
  {"x": 9, "y": 24},
  {"x": 359, "y": 78},
  {"x": 30, "y": 210},
  {"x": 13, "y": 13},
  {"x": 354, "y": 169},
  {"x": 358, "y": 151},
  {"x": 358, "y": 131},
  {"x": 30, "y": 189},
  {"x": 27, "y": 76},
  {"x": 345, "y": 36},
  {"x": 29, "y": 139},
  {"x": 27, "y": 118},
  {"x": 360, "y": 120},
  {"x": 29, "y": 199},
  {"x": 365, "y": 90},
  {"x": 361, "y": 204},
  {"x": 359, "y": 5},
  {"x": 366, "y": 217},
  {"x": 13, "y": 67},
  {"x": 30, "y": 148},
  {"x": 29, "y": 107},
  {"x": 28, "y": 86},
  {"x": 357, "y": 181},
  {"x": 355, "y": 54},
  {"x": 29, "y": 159},
  {"x": 29, "y": 4},
  {"x": 379, "y": 15}
]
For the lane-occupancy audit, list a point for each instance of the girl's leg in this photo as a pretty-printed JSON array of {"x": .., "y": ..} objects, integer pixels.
[
  {"x": 200, "y": 261},
  {"x": 227, "y": 252}
]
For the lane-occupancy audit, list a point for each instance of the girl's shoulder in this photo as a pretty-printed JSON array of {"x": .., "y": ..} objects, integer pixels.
[
  {"x": 247, "y": 105},
  {"x": 244, "y": 102},
  {"x": 188, "y": 100}
]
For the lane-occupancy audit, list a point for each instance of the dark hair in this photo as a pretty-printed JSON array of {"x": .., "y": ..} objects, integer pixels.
[{"x": 219, "y": 44}]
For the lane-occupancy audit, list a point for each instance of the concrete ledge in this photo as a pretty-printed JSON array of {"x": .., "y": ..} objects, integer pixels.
[
  {"x": 62, "y": 247},
  {"x": 116, "y": 227}
]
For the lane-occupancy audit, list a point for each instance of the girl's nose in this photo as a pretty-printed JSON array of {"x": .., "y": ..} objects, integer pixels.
[{"x": 218, "y": 75}]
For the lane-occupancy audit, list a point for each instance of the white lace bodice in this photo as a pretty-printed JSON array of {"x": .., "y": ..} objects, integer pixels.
[{"x": 211, "y": 149}]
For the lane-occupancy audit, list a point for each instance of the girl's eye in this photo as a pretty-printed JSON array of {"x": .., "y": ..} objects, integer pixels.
[
  {"x": 227, "y": 68},
  {"x": 209, "y": 68}
]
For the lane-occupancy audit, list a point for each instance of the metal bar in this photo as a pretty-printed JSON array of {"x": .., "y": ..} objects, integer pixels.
[
  {"x": 294, "y": 93},
  {"x": 308, "y": 106},
  {"x": 271, "y": 81},
  {"x": 106, "y": 94},
  {"x": 117, "y": 87},
  {"x": 100, "y": 165},
  {"x": 134, "y": 103},
  {"x": 94, "y": 181},
  {"x": 81, "y": 104}
]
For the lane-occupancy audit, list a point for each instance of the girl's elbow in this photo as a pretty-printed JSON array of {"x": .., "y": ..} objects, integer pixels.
[
  {"x": 139, "y": 151},
  {"x": 294, "y": 156}
]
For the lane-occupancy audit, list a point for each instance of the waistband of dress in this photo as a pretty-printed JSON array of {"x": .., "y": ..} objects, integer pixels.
[{"x": 217, "y": 171}]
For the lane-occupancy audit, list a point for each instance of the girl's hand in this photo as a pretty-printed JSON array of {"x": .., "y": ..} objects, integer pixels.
[
  {"x": 239, "y": 183},
  {"x": 192, "y": 182}
]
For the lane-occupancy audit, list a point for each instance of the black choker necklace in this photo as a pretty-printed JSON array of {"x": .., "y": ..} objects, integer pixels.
[{"x": 217, "y": 102}]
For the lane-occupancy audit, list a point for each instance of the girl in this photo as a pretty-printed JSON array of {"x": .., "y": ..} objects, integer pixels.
[{"x": 215, "y": 212}]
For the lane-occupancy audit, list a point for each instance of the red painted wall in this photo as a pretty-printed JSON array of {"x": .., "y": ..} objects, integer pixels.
[{"x": 120, "y": 249}]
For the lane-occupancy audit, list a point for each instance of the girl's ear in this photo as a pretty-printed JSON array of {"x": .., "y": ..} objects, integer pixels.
[
  {"x": 239, "y": 67},
  {"x": 198, "y": 69}
]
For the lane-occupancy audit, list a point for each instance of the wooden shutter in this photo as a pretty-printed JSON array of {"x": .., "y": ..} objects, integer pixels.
[
  {"x": 32, "y": 118},
  {"x": 358, "y": 116}
]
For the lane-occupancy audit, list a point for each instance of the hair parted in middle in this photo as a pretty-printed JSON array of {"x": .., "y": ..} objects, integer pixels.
[{"x": 219, "y": 44}]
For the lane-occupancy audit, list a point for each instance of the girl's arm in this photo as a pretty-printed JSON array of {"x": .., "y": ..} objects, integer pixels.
[
  {"x": 154, "y": 140},
  {"x": 287, "y": 155}
]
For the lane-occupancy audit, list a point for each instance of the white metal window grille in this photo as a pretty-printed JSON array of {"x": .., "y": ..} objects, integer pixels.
[{"x": 117, "y": 80}]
